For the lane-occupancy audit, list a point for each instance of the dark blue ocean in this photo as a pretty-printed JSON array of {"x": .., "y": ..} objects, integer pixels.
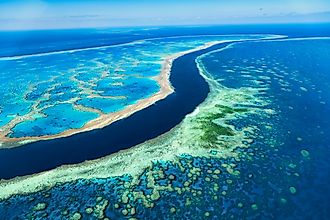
[
  {"x": 29, "y": 42},
  {"x": 283, "y": 175}
]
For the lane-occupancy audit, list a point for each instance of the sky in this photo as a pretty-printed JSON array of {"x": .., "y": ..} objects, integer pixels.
[{"x": 60, "y": 14}]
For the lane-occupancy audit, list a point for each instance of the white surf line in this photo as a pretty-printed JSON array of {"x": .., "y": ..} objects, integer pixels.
[
  {"x": 217, "y": 35},
  {"x": 64, "y": 51},
  {"x": 242, "y": 41},
  {"x": 7, "y": 58},
  {"x": 201, "y": 67},
  {"x": 298, "y": 39}
]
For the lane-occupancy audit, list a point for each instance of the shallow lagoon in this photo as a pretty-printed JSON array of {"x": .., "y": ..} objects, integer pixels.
[{"x": 55, "y": 119}]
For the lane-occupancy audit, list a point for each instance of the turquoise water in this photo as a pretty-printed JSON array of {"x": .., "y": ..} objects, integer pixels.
[
  {"x": 283, "y": 174},
  {"x": 57, "y": 119},
  {"x": 38, "y": 88}
]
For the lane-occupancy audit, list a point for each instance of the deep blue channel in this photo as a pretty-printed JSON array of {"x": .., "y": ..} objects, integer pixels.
[{"x": 191, "y": 89}]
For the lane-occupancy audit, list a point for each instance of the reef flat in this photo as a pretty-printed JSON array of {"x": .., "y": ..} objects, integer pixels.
[
  {"x": 243, "y": 153},
  {"x": 86, "y": 88}
]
